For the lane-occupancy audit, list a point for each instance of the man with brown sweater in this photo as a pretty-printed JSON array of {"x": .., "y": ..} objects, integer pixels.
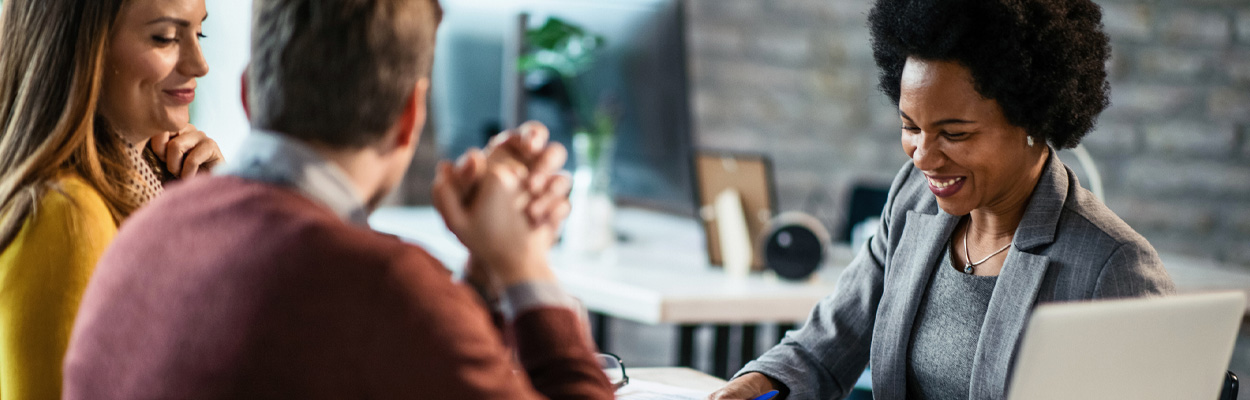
[{"x": 267, "y": 282}]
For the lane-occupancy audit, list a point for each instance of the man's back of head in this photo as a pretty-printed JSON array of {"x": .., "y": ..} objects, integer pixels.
[{"x": 337, "y": 73}]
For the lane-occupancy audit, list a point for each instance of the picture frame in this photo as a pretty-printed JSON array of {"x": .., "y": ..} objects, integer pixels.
[{"x": 751, "y": 175}]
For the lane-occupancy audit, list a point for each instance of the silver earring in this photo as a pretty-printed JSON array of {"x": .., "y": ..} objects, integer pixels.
[{"x": 1030, "y": 140}]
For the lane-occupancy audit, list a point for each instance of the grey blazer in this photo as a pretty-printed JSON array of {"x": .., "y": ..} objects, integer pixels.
[{"x": 1069, "y": 246}]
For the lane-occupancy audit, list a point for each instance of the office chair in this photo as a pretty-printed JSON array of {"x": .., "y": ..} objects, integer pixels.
[{"x": 1091, "y": 172}]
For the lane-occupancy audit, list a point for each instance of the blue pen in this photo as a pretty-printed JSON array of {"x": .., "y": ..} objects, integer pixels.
[{"x": 766, "y": 396}]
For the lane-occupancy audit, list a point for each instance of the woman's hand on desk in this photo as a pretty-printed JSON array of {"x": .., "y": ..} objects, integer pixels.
[{"x": 746, "y": 387}]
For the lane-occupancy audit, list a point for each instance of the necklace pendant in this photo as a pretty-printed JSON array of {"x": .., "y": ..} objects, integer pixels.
[{"x": 968, "y": 269}]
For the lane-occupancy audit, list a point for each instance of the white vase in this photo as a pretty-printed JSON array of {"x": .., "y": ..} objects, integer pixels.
[{"x": 589, "y": 230}]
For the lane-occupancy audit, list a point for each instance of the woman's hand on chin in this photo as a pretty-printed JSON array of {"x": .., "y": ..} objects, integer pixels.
[{"x": 187, "y": 152}]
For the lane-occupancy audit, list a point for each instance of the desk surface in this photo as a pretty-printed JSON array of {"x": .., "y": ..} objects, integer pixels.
[
  {"x": 657, "y": 274},
  {"x": 678, "y": 376},
  {"x": 660, "y": 274}
]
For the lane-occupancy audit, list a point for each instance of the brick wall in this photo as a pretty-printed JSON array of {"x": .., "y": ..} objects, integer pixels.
[{"x": 795, "y": 79}]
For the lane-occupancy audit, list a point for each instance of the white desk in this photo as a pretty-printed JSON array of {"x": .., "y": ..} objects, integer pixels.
[
  {"x": 677, "y": 376},
  {"x": 1197, "y": 275},
  {"x": 659, "y": 274}
]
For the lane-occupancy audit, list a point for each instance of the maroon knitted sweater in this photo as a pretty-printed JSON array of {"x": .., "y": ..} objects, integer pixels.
[{"x": 228, "y": 288}]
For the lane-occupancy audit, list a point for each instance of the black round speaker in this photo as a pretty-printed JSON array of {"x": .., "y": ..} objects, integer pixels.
[{"x": 793, "y": 245}]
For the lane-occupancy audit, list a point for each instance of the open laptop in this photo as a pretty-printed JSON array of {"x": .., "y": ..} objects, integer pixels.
[{"x": 1175, "y": 347}]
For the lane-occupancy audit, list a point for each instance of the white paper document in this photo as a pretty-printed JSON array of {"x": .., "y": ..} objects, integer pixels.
[{"x": 647, "y": 390}]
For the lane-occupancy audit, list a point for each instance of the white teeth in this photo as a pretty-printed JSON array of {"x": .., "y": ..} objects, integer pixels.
[{"x": 943, "y": 184}]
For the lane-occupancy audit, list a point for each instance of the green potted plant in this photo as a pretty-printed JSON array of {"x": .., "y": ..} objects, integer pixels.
[
  {"x": 563, "y": 52},
  {"x": 568, "y": 51}
]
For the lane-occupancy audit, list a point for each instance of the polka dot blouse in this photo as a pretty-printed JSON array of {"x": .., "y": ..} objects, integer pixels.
[{"x": 144, "y": 185}]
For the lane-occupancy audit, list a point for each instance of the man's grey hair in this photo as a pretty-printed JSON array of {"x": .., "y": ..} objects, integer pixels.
[{"x": 337, "y": 72}]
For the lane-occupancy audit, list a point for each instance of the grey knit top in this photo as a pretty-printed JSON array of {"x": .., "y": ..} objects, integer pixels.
[{"x": 944, "y": 336}]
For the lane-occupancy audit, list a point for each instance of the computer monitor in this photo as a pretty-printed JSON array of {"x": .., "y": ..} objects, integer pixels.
[{"x": 642, "y": 65}]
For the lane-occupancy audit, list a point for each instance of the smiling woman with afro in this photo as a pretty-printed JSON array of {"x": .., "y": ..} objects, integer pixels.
[{"x": 983, "y": 223}]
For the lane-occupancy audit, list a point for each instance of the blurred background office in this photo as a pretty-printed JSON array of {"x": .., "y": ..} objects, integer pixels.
[{"x": 795, "y": 80}]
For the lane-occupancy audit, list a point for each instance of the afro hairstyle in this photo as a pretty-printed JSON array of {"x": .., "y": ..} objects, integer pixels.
[{"x": 1043, "y": 61}]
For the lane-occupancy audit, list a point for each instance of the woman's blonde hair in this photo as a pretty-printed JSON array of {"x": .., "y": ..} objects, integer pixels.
[{"x": 52, "y": 56}]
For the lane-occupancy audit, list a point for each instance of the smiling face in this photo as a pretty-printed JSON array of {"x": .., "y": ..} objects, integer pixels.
[
  {"x": 149, "y": 73},
  {"x": 972, "y": 157}
]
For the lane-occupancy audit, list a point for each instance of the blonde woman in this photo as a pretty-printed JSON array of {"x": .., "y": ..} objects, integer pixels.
[{"x": 94, "y": 99}]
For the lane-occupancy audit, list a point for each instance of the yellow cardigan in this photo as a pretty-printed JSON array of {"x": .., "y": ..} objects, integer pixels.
[{"x": 43, "y": 273}]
